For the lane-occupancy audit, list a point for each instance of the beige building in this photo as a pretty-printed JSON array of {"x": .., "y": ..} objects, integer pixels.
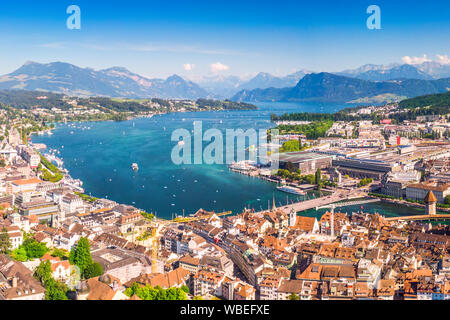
[{"x": 418, "y": 191}]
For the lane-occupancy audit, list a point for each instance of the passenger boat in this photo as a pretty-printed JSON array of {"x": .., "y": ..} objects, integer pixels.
[{"x": 291, "y": 190}]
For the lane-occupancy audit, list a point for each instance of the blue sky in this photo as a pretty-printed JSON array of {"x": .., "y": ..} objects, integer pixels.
[{"x": 197, "y": 38}]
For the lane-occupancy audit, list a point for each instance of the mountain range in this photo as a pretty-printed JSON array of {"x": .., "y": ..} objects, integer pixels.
[
  {"x": 366, "y": 82},
  {"x": 423, "y": 71},
  {"x": 224, "y": 87},
  {"x": 327, "y": 87},
  {"x": 113, "y": 82}
]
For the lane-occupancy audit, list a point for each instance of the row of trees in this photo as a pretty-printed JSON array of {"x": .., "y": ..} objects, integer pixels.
[
  {"x": 148, "y": 216},
  {"x": 365, "y": 182},
  {"x": 312, "y": 131},
  {"x": 149, "y": 293},
  {"x": 446, "y": 204},
  {"x": 293, "y": 174},
  {"x": 86, "y": 198}
]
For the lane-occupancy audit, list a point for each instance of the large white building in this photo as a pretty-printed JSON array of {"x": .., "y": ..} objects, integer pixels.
[
  {"x": 72, "y": 203},
  {"x": 24, "y": 185}
]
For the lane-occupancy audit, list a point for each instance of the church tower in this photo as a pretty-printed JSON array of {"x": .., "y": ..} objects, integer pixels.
[
  {"x": 430, "y": 202},
  {"x": 292, "y": 217}
]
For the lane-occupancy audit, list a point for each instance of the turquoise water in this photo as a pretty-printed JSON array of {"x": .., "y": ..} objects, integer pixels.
[
  {"x": 386, "y": 209},
  {"x": 102, "y": 156}
]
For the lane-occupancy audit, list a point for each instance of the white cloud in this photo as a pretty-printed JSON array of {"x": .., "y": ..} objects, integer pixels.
[
  {"x": 444, "y": 59},
  {"x": 416, "y": 60},
  {"x": 219, "y": 67},
  {"x": 189, "y": 66}
]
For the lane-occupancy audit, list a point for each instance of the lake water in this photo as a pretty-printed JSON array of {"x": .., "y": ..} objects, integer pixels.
[{"x": 102, "y": 156}]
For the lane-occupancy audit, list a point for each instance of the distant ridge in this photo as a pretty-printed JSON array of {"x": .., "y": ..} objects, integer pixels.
[
  {"x": 71, "y": 80},
  {"x": 327, "y": 87}
]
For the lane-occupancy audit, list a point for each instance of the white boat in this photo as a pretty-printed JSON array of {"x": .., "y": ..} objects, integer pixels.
[
  {"x": 135, "y": 166},
  {"x": 291, "y": 190}
]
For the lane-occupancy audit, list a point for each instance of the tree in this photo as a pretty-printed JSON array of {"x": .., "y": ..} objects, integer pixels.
[
  {"x": 93, "y": 270},
  {"x": 43, "y": 272},
  {"x": 55, "y": 290},
  {"x": 290, "y": 146},
  {"x": 447, "y": 199},
  {"x": 80, "y": 255},
  {"x": 318, "y": 177},
  {"x": 147, "y": 215},
  {"x": 185, "y": 288},
  {"x": 5, "y": 241},
  {"x": 291, "y": 167},
  {"x": 293, "y": 296},
  {"x": 34, "y": 249},
  {"x": 59, "y": 253},
  {"x": 365, "y": 182},
  {"x": 20, "y": 254}
]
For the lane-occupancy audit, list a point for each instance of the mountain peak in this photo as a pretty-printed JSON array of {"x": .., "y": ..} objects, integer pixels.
[
  {"x": 29, "y": 62},
  {"x": 175, "y": 77},
  {"x": 118, "y": 69}
]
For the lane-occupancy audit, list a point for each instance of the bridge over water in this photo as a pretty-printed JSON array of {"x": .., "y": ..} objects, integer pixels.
[
  {"x": 349, "y": 203},
  {"x": 338, "y": 196}
]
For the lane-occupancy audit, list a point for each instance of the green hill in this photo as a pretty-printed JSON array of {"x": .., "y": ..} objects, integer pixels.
[{"x": 432, "y": 100}]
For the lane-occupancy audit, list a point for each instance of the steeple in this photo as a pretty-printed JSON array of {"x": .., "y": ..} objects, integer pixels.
[
  {"x": 430, "y": 197},
  {"x": 430, "y": 203},
  {"x": 292, "y": 217},
  {"x": 274, "y": 206}
]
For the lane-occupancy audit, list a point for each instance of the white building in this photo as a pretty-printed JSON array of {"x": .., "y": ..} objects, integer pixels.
[{"x": 72, "y": 203}]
